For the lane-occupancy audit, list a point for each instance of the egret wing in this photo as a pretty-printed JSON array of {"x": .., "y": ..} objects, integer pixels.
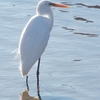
[{"x": 32, "y": 43}]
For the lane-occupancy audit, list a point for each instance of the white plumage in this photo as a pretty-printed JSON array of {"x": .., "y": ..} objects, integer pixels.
[{"x": 35, "y": 35}]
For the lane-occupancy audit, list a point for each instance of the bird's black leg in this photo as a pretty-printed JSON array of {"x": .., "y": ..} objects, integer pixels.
[
  {"x": 27, "y": 83},
  {"x": 38, "y": 88}
]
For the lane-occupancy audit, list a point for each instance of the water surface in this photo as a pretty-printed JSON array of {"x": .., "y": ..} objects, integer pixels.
[{"x": 70, "y": 66}]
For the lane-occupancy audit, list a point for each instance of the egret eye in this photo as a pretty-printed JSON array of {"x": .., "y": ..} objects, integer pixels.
[{"x": 51, "y": 4}]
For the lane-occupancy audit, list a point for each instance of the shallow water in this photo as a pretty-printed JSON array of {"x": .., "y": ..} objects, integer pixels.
[{"x": 70, "y": 66}]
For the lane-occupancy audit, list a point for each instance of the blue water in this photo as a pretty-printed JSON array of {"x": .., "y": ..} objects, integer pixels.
[{"x": 70, "y": 66}]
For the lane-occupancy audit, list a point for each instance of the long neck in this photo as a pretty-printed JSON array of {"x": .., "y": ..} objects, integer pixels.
[{"x": 48, "y": 14}]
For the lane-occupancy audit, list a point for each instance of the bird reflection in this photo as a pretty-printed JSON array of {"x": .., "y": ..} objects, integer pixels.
[{"x": 25, "y": 96}]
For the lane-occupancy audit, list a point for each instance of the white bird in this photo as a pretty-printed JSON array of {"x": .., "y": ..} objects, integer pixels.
[{"x": 35, "y": 36}]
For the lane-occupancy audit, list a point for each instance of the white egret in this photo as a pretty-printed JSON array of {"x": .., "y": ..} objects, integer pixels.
[{"x": 35, "y": 36}]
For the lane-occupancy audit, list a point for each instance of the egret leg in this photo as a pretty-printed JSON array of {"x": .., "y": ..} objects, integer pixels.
[
  {"x": 38, "y": 88},
  {"x": 27, "y": 83}
]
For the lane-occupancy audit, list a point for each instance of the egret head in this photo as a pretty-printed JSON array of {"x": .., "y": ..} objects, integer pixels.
[{"x": 44, "y": 7}]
